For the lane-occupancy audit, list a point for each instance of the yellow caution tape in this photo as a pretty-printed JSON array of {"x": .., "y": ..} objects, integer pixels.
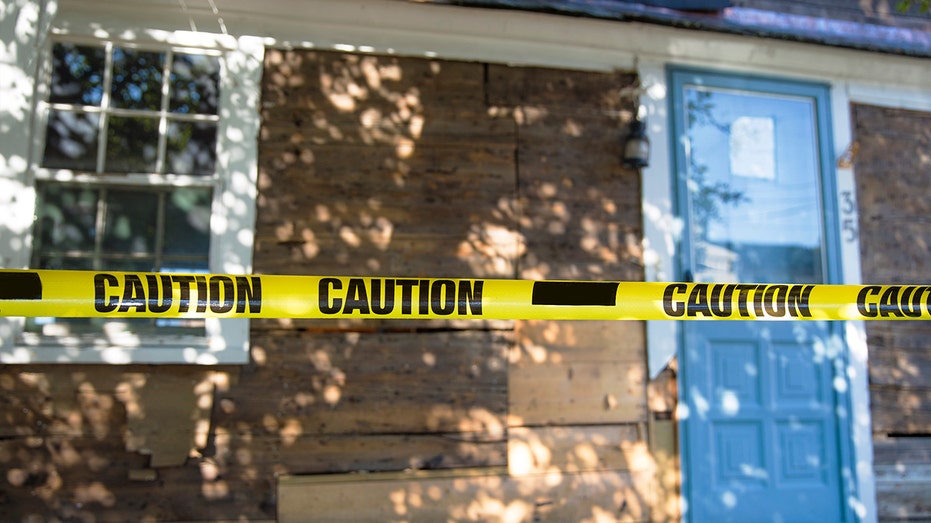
[{"x": 142, "y": 295}]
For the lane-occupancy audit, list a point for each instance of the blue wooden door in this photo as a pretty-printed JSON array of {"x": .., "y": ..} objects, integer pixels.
[{"x": 763, "y": 427}]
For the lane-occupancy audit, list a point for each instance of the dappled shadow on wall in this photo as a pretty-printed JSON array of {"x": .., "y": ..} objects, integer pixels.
[
  {"x": 385, "y": 166},
  {"x": 410, "y": 167}
]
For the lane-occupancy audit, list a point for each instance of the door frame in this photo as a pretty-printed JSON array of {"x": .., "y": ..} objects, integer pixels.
[{"x": 834, "y": 252}]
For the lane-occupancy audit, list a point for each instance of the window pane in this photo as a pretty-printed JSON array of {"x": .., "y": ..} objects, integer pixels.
[
  {"x": 192, "y": 148},
  {"x": 68, "y": 218},
  {"x": 137, "y": 79},
  {"x": 754, "y": 183},
  {"x": 195, "y": 81},
  {"x": 71, "y": 141},
  {"x": 187, "y": 221},
  {"x": 132, "y": 145},
  {"x": 77, "y": 74},
  {"x": 131, "y": 222}
]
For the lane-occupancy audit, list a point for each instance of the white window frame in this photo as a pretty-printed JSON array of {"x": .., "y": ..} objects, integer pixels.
[{"x": 232, "y": 220}]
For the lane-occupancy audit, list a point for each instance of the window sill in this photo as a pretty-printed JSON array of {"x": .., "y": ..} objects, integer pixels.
[{"x": 124, "y": 349}]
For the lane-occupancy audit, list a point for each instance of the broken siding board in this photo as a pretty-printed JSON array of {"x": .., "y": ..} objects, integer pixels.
[{"x": 491, "y": 496}]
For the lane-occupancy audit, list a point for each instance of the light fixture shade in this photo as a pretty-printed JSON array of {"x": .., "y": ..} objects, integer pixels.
[{"x": 637, "y": 148}]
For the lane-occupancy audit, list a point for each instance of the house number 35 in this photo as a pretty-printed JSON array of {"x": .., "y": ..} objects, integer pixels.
[{"x": 848, "y": 210}]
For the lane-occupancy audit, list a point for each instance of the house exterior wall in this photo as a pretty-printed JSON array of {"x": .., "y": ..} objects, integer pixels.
[
  {"x": 892, "y": 170},
  {"x": 173, "y": 442},
  {"x": 403, "y": 167}
]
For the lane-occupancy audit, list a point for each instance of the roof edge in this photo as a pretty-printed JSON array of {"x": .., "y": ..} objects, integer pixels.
[{"x": 733, "y": 20}]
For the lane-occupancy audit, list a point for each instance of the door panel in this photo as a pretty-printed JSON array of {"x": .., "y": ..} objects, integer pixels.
[
  {"x": 761, "y": 437},
  {"x": 760, "y": 426}
]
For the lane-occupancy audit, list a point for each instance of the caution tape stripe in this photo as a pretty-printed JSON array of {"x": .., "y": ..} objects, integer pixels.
[
  {"x": 574, "y": 293},
  {"x": 169, "y": 295},
  {"x": 20, "y": 286}
]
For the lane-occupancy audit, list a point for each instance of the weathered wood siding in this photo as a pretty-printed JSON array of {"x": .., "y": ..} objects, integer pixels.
[
  {"x": 375, "y": 165},
  {"x": 893, "y": 171},
  {"x": 414, "y": 167}
]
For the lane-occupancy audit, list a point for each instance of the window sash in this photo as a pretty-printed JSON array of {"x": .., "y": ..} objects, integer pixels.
[
  {"x": 106, "y": 111},
  {"x": 234, "y": 192}
]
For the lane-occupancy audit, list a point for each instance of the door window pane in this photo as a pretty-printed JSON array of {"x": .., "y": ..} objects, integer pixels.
[{"x": 753, "y": 178}]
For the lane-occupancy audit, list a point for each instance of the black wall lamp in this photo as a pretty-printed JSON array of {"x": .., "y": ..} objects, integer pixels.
[{"x": 637, "y": 148}]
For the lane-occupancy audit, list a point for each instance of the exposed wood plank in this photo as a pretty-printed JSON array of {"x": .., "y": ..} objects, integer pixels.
[
  {"x": 900, "y": 452},
  {"x": 491, "y": 497},
  {"x": 312, "y": 454},
  {"x": 901, "y": 364},
  {"x": 366, "y": 325},
  {"x": 351, "y": 382},
  {"x": 83, "y": 479},
  {"x": 515, "y": 86},
  {"x": 385, "y": 127},
  {"x": 474, "y": 255},
  {"x": 334, "y": 80},
  {"x": 903, "y": 492},
  {"x": 663, "y": 394},
  {"x": 578, "y": 341},
  {"x": 572, "y": 393},
  {"x": 540, "y": 450},
  {"x": 901, "y": 411},
  {"x": 665, "y": 448}
]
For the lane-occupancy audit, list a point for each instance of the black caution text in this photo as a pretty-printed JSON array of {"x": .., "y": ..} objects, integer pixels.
[
  {"x": 732, "y": 300},
  {"x": 384, "y": 296},
  {"x": 178, "y": 293},
  {"x": 894, "y": 301}
]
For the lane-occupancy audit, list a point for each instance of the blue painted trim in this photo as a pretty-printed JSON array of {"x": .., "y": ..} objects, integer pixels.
[{"x": 677, "y": 78}]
